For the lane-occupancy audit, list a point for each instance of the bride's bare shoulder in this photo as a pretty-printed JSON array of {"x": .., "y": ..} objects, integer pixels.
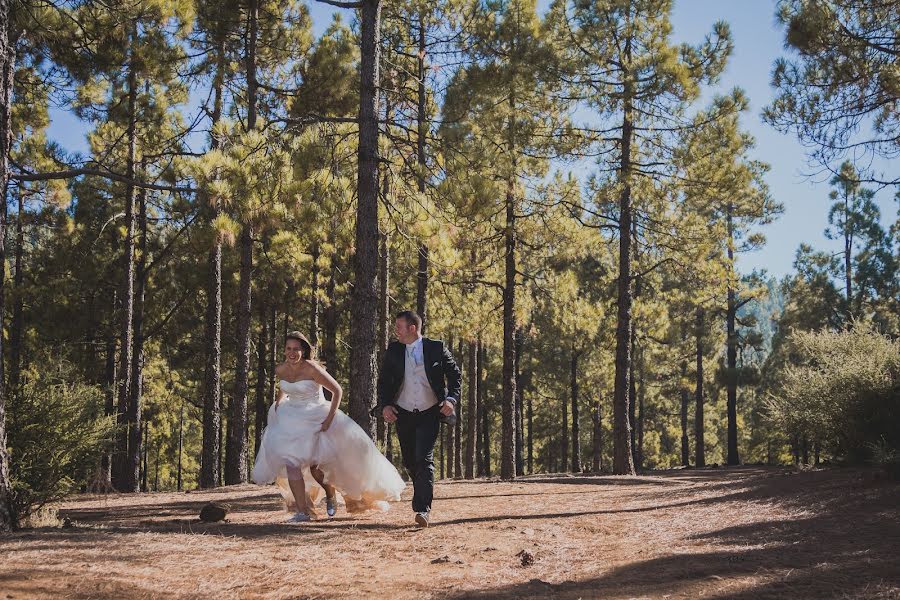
[
  {"x": 315, "y": 366},
  {"x": 279, "y": 369}
]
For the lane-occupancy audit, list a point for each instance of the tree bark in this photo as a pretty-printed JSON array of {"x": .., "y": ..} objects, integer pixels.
[
  {"x": 236, "y": 442},
  {"x": 473, "y": 410},
  {"x": 7, "y": 70},
  {"x": 576, "y": 432},
  {"x": 699, "y": 446},
  {"x": 18, "y": 317},
  {"x": 848, "y": 257},
  {"x": 520, "y": 408},
  {"x": 364, "y": 297},
  {"x": 685, "y": 399},
  {"x": 422, "y": 132},
  {"x": 212, "y": 338},
  {"x": 314, "y": 304},
  {"x": 597, "y": 437},
  {"x": 109, "y": 405},
  {"x": 530, "y": 439},
  {"x": 124, "y": 479},
  {"x": 178, "y": 481},
  {"x": 508, "y": 412},
  {"x": 460, "y": 416},
  {"x": 135, "y": 408},
  {"x": 262, "y": 359},
  {"x": 731, "y": 350},
  {"x": 485, "y": 413},
  {"x": 384, "y": 313},
  {"x": 639, "y": 395},
  {"x": 623, "y": 463},
  {"x": 329, "y": 325},
  {"x": 632, "y": 397}
]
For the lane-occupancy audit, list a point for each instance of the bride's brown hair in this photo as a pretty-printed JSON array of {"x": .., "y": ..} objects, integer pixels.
[{"x": 307, "y": 350}]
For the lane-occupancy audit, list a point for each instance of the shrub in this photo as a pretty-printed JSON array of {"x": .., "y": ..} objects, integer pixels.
[
  {"x": 842, "y": 389},
  {"x": 56, "y": 434}
]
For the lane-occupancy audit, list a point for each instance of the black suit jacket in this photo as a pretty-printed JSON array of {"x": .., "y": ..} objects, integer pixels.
[{"x": 440, "y": 369}]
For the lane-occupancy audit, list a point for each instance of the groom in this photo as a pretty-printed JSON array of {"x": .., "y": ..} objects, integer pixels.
[{"x": 418, "y": 386}]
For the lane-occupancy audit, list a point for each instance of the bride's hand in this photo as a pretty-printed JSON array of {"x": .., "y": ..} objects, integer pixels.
[{"x": 327, "y": 422}]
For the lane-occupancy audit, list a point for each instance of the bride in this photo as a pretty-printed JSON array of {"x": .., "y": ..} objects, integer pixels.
[{"x": 308, "y": 441}]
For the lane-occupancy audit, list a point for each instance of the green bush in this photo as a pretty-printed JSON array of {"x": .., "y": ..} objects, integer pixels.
[
  {"x": 842, "y": 390},
  {"x": 56, "y": 434}
]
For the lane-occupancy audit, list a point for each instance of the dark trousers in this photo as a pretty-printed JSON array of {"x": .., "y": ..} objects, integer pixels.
[{"x": 417, "y": 433}]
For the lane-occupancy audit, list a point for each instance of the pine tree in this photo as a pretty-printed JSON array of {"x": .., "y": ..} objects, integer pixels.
[
  {"x": 619, "y": 60},
  {"x": 839, "y": 95}
]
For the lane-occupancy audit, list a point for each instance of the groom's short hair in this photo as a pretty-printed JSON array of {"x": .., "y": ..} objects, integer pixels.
[{"x": 411, "y": 317}]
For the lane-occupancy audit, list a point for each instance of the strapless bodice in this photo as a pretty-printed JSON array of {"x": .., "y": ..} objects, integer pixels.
[{"x": 305, "y": 390}]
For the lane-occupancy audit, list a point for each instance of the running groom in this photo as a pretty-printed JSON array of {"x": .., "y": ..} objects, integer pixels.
[{"x": 418, "y": 383}]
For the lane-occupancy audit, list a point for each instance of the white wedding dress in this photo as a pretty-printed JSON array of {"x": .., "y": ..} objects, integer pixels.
[{"x": 345, "y": 454}]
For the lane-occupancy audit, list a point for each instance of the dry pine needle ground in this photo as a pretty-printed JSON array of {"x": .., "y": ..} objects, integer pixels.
[{"x": 736, "y": 533}]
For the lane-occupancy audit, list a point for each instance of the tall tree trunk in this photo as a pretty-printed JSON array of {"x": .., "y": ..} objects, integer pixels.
[
  {"x": 135, "y": 408},
  {"x": 122, "y": 479},
  {"x": 848, "y": 258},
  {"x": 530, "y": 439},
  {"x": 109, "y": 394},
  {"x": 731, "y": 351},
  {"x": 450, "y": 445},
  {"x": 314, "y": 303},
  {"x": 451, "y": 451},
  {"x": 262, "y": 359},
  {"x": 473, "y": 410},
  {"x": 156, "y": 468},
  {"x": 699, "y": 446},
  {"x": 639, "y": 395},
  {"x": 18, "y": 317},
  {"x": 460, "y": 416},
  {"x": 271, "y": 361},
  {"x": 236, "y": 442},
  {"x": 508, "y": 412},
  {"x": 485, "y": 413},
  {"x": 212, "y": 336},
  {"x": 597, "y": 437},
  {"x": 364, "y": 297},
  {"x": 632, "y": 396},
  {"x": 330, "y": 323},
  {"x": 179, "y": 481},
  {"x": 382, "y": 428},
  {"x": 576, "y": 432},
  {"x": 145, "y": 451},
  {"x": 623, "y": 462},
  {"x": 422, "y": 133},
  {"x": 520, "y": 409},
  {"x": 8, "y": 42},
  {"x": 564, "y": 435},
  {"x": 685, "y": 399}
]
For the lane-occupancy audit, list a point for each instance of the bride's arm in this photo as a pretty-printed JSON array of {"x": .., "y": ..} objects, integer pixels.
[{"x": 323, "y": 378}]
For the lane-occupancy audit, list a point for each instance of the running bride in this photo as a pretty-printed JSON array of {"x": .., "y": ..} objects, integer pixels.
[{"x": 311, "y": 448}]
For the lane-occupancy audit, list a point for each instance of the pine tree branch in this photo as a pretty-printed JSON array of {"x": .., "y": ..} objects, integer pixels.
[
  {"x": 341, "y": 4},
  {"x": 78, "y": 172}
]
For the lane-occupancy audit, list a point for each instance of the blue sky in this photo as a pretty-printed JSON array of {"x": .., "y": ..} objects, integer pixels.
[{"x": 758, "y": 42}]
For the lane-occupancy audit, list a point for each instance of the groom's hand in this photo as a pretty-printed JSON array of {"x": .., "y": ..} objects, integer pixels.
[
  {"x": 389, "y": 413},
  {"x": 447, "y": 408}
]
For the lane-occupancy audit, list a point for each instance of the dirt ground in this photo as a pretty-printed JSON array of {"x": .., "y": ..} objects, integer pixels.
[{"x": 722, "y": 533}]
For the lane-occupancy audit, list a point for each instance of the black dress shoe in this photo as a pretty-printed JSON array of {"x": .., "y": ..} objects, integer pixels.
[{"x": 422, "y": 518}]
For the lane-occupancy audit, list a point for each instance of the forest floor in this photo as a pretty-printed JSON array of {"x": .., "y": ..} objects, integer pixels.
[{"x": 747, "y": 532}]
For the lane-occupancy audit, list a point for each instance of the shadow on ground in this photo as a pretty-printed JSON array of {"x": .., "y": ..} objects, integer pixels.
[{"x": 845, "y": 547}]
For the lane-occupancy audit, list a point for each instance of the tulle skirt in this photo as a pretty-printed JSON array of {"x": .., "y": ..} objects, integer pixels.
[{"x": 347, "y": 457}]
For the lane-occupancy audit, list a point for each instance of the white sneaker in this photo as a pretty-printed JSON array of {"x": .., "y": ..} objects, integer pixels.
[{"x": 300, "y": 517}]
